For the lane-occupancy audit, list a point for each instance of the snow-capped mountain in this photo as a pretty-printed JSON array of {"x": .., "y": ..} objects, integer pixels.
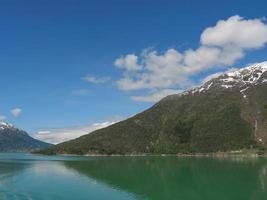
[
  {"x": 14, "y": 139},
  {"x": 239, "y": 79},
  {"x": 228, "y": 112},
  {"x": 5, "y": 125}
]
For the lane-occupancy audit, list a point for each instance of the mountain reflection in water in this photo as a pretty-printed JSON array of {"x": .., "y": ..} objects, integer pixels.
[
  {"x": 150, "y": 178},
  {"x": 160, "y": 178}
]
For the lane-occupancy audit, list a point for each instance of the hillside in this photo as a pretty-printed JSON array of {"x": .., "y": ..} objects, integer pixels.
[
  {"x": 226, "y": 113},
  {"x": 13, "y": 139}
]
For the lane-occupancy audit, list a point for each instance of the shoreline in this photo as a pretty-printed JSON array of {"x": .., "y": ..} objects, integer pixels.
[{"x": 216, "y": 154}]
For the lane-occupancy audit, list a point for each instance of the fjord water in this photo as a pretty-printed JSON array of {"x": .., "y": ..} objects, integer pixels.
[{"x": 26, "y": 176}]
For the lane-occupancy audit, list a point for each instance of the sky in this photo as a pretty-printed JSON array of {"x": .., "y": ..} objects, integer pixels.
[{"x": 70, "y": 67}]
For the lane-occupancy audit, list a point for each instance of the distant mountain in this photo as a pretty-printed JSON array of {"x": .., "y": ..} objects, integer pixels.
[
  {"x": 13, "y": 139},
  {"x": 226, "y": 113}
]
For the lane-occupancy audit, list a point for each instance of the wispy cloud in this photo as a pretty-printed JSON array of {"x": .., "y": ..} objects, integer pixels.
[
  {"x": 220, "y": 46},
  {"x": 58, "y": 135},
  {"x": 96, "y": 80},
  {"x": 16, "y": 112}
]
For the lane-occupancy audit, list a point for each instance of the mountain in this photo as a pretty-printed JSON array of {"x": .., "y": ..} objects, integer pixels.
[
  {"x": 13, "y": 139},
  {"x": 226, "y": 113}
]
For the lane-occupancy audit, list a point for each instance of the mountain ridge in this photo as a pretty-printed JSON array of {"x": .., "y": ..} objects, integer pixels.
[
  {"x": 226, "y": 113},
  {"x": 13, "y": 139}
]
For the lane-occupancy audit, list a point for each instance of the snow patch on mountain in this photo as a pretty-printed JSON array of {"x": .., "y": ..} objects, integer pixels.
[
  {"x": 241, "y": 79},
  {"x": 5, "y": 125}
]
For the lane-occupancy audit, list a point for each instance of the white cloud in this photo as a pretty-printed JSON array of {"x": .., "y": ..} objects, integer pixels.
[
  {"x": 129, "y": 62},
  {"x": 159, "y": 71},
  {"x": 2, "y": 117},
  {"x": 236, "y": 31},
  {"x": 16, "y": 112},
  {"x": 201, "y": 58},
  {"x": 221, "y": 46},
  {"x": 58, "y": 135},
  {"x": 96, "y": 80}
]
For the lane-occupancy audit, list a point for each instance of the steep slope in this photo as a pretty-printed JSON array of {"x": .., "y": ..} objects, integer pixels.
[
  {"x": 15, "y": 140},
  {"x": 226, "y": 113}
]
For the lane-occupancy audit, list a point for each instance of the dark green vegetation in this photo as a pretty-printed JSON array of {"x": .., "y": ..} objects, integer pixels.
[
  {"x": 210, "y": 121},
  {"x": 15, "y": 140}
]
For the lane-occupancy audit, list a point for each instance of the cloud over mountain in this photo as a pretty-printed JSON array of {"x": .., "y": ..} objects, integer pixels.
[
  {"x": 58, "y": 135},
  {"x": 16, "y": 112},
  {"x": 220, "y": 46}
]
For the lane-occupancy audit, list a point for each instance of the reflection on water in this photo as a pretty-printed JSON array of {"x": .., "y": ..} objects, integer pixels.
[
  {"x": 151, "y": 178},
  {"x": 180, "y": 178},
  {"x": 49, "y": 178},
  {"x": 263, "y": 177}
]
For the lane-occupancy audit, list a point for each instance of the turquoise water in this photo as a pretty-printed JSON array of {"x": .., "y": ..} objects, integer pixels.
[{"x": 26, "y": 176}]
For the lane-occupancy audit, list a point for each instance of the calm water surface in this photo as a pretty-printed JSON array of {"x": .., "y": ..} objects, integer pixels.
[{"x": 25, "y": 176}]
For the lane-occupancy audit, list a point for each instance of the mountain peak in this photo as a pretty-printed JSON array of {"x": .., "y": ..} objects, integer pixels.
[
  {"x": 248, "y": 75},
  {"x": 5, "y": 125},
  {"x": 14, "y": 139},
  {"x": 239, "y": 79},
  {"x": 227, "y": 113}
]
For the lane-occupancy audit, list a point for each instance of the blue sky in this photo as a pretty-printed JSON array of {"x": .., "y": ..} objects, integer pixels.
[{"x": 58, "y": 58}]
